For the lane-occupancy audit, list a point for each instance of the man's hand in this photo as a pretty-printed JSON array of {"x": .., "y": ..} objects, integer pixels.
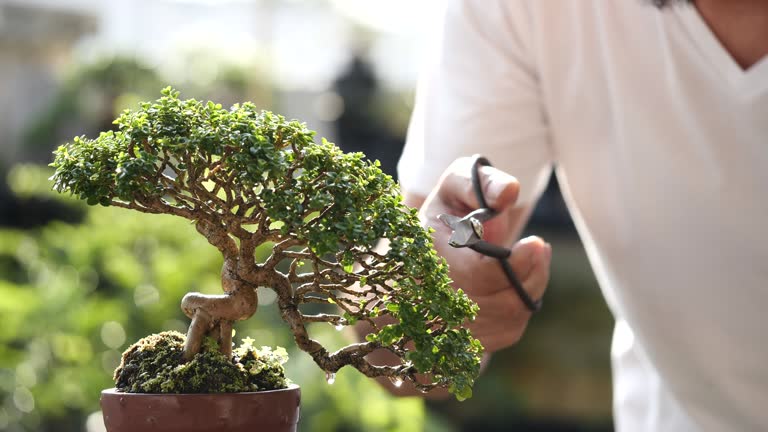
[{"x": 502, "y": 317}]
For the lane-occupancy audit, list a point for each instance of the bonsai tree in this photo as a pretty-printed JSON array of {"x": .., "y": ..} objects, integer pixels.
[{"x": 248, "y": 178}]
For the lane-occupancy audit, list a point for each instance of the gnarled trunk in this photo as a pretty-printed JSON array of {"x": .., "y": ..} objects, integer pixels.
[{"x": 213, "y": 315}]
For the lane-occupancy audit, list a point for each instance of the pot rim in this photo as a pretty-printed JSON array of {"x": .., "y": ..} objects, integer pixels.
[{"x": 114, "y": 391}]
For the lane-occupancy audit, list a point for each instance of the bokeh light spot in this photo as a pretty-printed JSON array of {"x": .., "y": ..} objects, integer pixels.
[
  {"x": 72, "y": 348},
  {"x": 4, "y": 419},
  {"x": 145, "y": 295},
  {"x": 113, "y": 334},
  {"x": 328, "y": 106},
  {"x": 25, "y": 375},
  {"x": 95, "y": 423},
  {"x": 23, "y": 400},
  {"x": 267, "y": 297}
]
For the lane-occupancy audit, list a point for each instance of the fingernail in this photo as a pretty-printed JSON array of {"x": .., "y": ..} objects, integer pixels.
[{"x": 548, "y": 251}]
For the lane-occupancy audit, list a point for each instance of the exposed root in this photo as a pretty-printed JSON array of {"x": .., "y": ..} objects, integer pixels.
[{"x": 214, "y": 314}]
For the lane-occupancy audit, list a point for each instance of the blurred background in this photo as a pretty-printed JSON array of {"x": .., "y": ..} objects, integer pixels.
[{"x": 79, "y": 284}]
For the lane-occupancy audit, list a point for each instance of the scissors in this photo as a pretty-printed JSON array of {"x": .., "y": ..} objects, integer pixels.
[{"x": 468, "y": 232}]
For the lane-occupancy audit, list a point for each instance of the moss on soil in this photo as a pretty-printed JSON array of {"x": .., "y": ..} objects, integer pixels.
[{"x": 154, "y": 365}]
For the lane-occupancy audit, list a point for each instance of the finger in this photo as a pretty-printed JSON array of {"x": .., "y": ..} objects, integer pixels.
[
  {"x": 455, "y": 188},
  {"x": 538, "y": 278},
  {"x": 530, "y": 260},
  {"x": 502, "y": 320},
  {"x": 502, "y": 339}
]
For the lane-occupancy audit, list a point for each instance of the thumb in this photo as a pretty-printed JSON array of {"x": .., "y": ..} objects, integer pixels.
[{"x": 456, "y": 190}]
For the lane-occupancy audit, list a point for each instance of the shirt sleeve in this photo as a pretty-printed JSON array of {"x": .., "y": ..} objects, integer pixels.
[{"x": 479, "y": 93}]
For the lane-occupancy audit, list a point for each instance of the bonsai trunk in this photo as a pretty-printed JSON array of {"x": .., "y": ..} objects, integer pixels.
[{"x": 213, "y": 315}]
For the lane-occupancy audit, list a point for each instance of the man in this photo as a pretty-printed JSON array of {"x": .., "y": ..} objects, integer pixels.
[{"x": 656, "y": 119}]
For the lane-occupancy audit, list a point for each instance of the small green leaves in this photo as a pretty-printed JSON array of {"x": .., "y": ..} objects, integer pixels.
[
  {"x": 170, "y": 92},
  {"x": 265, "y": 173},
  {"x": 462, "y": 393}
]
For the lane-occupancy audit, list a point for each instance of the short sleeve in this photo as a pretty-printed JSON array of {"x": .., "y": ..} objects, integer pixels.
[{"x": 479, "y": 93}]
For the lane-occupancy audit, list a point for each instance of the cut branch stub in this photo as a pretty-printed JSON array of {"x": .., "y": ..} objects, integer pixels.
[{"x": 248, "y": 177}]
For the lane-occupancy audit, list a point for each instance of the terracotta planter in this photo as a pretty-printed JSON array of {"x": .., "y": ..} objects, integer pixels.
[{"x": 274, "y": 411}]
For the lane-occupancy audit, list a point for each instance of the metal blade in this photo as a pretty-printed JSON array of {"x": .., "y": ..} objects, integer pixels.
[
  {"x": 463, "y": 233},
  {"x": 449, "y": 220}
]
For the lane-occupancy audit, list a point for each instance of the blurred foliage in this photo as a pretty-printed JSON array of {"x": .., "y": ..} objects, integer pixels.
[
  {"x": 93, "y": 94},
  {"x": 72, "y": 297}
]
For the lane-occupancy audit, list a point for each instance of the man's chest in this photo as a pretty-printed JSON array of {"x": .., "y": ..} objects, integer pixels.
[{"x": 647, "y": 131}]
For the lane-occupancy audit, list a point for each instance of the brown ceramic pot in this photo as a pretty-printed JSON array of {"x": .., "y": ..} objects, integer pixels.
[{"x": 274, "y": 411}]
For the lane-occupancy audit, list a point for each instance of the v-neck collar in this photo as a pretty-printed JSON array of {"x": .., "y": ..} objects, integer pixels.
[{"x": 748, "y": 82}]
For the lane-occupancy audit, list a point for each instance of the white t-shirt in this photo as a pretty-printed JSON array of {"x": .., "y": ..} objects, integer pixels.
[{"x": 660, "y": 143}]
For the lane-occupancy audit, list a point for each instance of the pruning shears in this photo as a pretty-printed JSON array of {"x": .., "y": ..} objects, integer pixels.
[{"x": 468, "y": 232}]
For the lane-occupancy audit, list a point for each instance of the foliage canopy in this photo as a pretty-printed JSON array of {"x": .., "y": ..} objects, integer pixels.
[{"x": 247, "y": 178}]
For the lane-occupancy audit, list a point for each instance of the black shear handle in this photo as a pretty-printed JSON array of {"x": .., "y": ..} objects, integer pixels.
[
  {"x": 492, "y": 250},
  {"x": 480, "y": 161}
]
